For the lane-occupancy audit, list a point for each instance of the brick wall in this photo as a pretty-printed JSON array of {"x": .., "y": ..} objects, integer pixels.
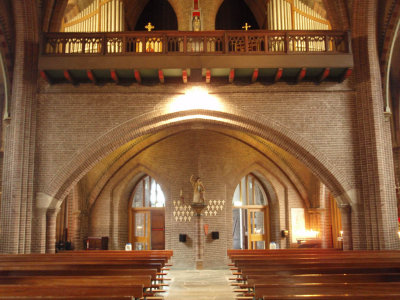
[
  {"x": 63, "y": 135},
  {"x": 71, "y": 120}
]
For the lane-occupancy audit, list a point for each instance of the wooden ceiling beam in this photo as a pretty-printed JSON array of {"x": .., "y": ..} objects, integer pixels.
[
  {"x": 208, "y": 76},
  {"x": 278, "y": 75},
  {"x": 46, "y": 77},
  {"x": 91, "y": 76},
  {"x": 68, "y": 76},
  {"x": 138, "y": 78},
  {"x": 184, "y": 76},
  {"x": 325, "y": 73},
  {"x": 161, "y": 76},
  {"x": 114, "y": 76},
  {"x": 254, "y": 76},
  {"x": 346, "y": 74},
  {"x": 231, "y": 75},
  {"x": 302, "y": 73}
]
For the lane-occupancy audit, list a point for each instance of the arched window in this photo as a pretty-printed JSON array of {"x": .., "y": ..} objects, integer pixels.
[
  {"x": 160, "y": 13},
  {"x": 147, "y": 216},
  {"x": 233, "y": 14},
  {"x": 249, "y": 192},
  {"x": 148, "y": 193},
  {"x": 250, "y": 215}
]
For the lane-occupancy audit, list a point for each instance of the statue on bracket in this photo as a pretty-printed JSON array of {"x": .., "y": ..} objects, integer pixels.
[
  {"x": 198, "y": 190},
  {"x": 196, "y": 23}
]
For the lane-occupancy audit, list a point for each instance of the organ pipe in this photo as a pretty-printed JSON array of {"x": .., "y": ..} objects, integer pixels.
[
  {"x": 101, "y": 15},
  {"x": 294, "y": 15}
]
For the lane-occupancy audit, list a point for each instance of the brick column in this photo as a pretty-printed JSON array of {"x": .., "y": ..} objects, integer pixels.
[
  {"x": 345, "y": 211},
  {"x": 19, "y": 147},
  {"x": 326, "y": 218},
  {"x": 375, "y": 218},
  {"x": 75, "y": 231},
  {"x": 39, "y": 238},
  {"x": 39, "y": 223},
  {"x": 199, "y": 242},
  {"x": 84, "y": 225},
  {"x": 51, "y": 222}
]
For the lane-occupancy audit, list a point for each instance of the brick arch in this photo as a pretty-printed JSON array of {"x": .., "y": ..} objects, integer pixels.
[
  {"x": 7, "y": 34},
  {"x": 388, "y": 39},
  {"x": 144, "y": 144},
  {"x": 337, "y": 14},
  {"x": 85, "y": 159}
]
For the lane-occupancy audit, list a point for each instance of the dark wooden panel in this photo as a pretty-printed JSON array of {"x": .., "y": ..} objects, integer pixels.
[{"x": 158, "y": 230}]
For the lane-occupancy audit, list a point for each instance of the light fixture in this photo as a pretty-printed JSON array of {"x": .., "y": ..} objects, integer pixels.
[
  {"x": 195, "y": 98},
  {"x": 307, "y": 234}
]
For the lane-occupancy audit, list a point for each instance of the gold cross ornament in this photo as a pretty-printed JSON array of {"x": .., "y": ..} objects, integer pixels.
[
  {"x": 246, "y": 26},
  {"x": 149, "y": 27}
]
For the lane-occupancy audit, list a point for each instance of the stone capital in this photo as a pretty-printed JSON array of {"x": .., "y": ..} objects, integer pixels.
[
  {"x": 350, "y": 197},
  {"x": 43, "y": 201}
]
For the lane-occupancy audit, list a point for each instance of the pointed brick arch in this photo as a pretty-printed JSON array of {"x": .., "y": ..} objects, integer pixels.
[{"x": 84, "y": 160}]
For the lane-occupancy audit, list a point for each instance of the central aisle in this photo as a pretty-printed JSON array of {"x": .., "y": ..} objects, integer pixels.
[{"x": 200, "y": 285}]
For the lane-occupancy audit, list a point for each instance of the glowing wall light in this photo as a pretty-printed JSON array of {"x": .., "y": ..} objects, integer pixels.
[{"x": 195, "y": 98}]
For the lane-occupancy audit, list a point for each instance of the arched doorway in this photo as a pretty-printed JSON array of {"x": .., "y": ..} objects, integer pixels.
[
  {"x": 233, "y": 14},
  {"x": 147, "y": 215},
  {"x": 251, "y": 224}
]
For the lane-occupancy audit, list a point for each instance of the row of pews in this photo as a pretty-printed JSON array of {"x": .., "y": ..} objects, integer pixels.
[
  {"x": 85, "y": 275},
  {"x": 288, "y": 274}
]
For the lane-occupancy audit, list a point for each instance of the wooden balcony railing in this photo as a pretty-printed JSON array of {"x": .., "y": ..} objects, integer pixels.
[{"x": 204, "y": 42}]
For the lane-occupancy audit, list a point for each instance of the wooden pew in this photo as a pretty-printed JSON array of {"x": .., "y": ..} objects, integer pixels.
[
  {"x": 77, "y": 291},
  {"x": 277, "y": 291},
  {"x": 319, "y": 275},
  {"x": 27, "y": 271},
  {"x": 318, "y": 270},
  {"x": 77, "y": 272},
  {"x": 72, "y": 280},
  {"x": 320, "y": 278},
  {"x": 296, "y": 251},
  {"x": 386, "y": 296},
  {"x": 32, "y": 287}
]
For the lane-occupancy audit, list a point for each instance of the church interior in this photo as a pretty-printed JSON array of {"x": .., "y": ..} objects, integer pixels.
[{"x": 199, "y": 126}]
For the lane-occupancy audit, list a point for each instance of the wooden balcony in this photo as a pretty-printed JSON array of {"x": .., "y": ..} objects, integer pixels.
[{"x": 216, "y": 54}]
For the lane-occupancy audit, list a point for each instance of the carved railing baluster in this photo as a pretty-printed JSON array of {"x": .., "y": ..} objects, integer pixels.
[{"x": 179, "y": 42}]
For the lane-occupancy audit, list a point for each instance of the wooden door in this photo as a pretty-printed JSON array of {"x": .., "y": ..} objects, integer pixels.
[
  {"x": 158, "y": 229},
  {"x": 141, "y": 230},
  {"x": 147, "y": 229},
  {"x": 256, "y": 228}
]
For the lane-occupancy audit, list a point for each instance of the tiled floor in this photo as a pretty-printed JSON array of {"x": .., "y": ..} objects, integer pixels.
[{"x": 199, "y": 285}]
